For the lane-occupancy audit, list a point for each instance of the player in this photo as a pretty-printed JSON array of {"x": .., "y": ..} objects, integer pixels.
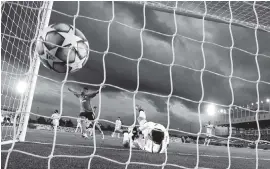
[
  {"x": 55, "y": 119},
  {"x": 2, "y": 119},
  {"x": 89, "y": 127},
  {"x": 90, "y": 124},
  {"x": 149, "y": 136},
  {"x": 183, "y": 139},
  {"x": 79, "y": 125},
  {"x": 209, "y": 128},
  {"x": 12, "y": 116},
  {"x": 117, "y": 128},
  {"x": 86, "y": 110},
  {"x": 7, "y": 120}
]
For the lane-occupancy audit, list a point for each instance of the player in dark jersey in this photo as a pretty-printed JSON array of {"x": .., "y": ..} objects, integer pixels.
[{"x": 86, "y": 110}]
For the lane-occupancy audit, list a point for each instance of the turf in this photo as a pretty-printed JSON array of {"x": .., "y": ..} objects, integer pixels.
[{"x": 73, "y": 152}]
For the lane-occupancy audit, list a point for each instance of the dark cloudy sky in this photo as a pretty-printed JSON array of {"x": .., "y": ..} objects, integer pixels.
[{"x": 153, "y": 77}]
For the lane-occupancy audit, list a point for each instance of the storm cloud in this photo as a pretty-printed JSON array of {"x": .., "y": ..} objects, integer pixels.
[{"x": 125, "y": 48}]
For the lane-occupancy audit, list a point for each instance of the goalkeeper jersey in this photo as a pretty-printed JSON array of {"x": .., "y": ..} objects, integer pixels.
[
  {"x": 148, "y": 144},
  {"x": 147, "y": 128}
]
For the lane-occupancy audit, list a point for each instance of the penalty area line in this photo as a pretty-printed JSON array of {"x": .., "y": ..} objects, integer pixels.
[
  {"x": 216, "y": 156},
  {"x": 122, "y": 149},
  {"x": 82, "y": 146}
]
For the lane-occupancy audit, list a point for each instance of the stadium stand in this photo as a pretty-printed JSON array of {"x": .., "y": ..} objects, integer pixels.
[{"x": 244, "y": 125}]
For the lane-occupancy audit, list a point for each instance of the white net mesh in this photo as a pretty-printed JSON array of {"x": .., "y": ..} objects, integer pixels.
[
  {"x": 243, "y": 13},
  {"x": 20, "y": 23}
]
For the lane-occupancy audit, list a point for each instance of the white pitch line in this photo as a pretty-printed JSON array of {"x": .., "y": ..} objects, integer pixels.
[
  {"x": 121, "y": 149},
  {"x": 82, "y": 146},
  {"x": 215, "y": 156}
]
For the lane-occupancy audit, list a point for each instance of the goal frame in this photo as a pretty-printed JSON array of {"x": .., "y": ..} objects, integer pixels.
[
  {"x": 26, "y": 98},
  {"x": 197, "y": 15},
  {"x": 33, "y": 77}
]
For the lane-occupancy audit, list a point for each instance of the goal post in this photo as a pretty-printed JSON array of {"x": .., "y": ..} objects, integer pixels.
[
  {"x": 216, "y": 11},
  {"x": 45, "y": 18},
  {"x": 21, "y": 23}
]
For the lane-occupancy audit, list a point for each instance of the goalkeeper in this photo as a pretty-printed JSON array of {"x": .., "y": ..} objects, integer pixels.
[{"x": 149, "y": 136}]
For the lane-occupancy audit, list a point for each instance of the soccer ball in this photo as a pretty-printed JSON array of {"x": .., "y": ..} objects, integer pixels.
[{"x": 59, "y": 44}]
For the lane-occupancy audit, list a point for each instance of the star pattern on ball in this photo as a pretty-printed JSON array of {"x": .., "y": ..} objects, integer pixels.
[
  {"x": 54, "y": 58},
  {"x": 70, "y": 38},
  {"x": 49, "y": 55},
  {"x": 77, "y": 64}
]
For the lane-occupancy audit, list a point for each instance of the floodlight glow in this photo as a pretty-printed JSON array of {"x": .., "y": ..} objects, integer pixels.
[
  {"x": 261, "y": 101},
  {"x": 252, "y": 104},
  {"x": 221, "y": 111},
  {"x": 267, "y": 100},
  {"x": 211, "y": 110},
  {"x": 21, "y": 87}
]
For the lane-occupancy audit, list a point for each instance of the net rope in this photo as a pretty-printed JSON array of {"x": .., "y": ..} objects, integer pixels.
[
  {"x": 28, "y": 60},
  {"x": 14, "y": 51},
  {"x": 242, "y": 11}
]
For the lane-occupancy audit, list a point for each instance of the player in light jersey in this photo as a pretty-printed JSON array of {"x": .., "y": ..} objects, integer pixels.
[
  {"x": 55, "y": 119},
  {"x": 86, "y": 110},
  {"x": 2, "y": 119},
  {"x": 209, "y": 128},
  {"x": 149, "y": 136},
  {"x": 79, "y": 125},
  {"x": 89, "y": 127},
  {"x": 117, "y": 128}
]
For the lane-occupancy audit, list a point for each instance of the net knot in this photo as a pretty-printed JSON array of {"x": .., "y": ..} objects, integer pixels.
[
  {"x": 164, "y": 164},
  {"x": 92, "y": 156},
  {"x": 50, "y": 156},
  {"x": 111, "y": 20},
  {"x": 127, "y": 162}
]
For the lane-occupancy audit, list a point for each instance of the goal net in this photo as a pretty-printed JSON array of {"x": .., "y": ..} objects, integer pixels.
[
  {"x": 21, "y": 22},
  {"x": 185, "y": 32}
]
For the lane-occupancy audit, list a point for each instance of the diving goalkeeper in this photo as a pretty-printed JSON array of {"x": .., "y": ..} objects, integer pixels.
[{"x": 149, "y": 136}]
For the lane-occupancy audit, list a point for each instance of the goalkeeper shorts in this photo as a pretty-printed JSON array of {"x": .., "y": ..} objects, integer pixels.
[{"x": 157, "y": 136}]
